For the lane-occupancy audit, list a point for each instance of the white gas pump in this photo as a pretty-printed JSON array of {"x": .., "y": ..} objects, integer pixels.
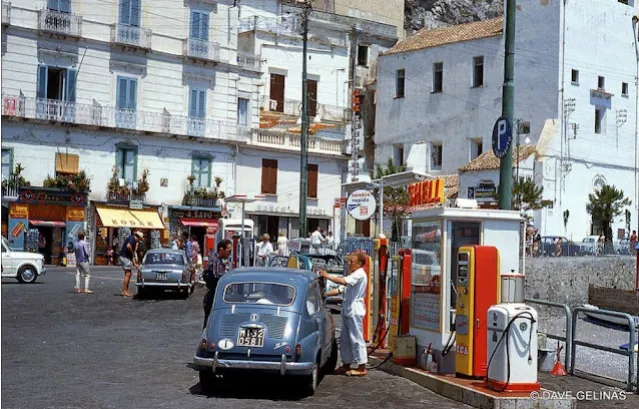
[{"x": 512, "y": 340}]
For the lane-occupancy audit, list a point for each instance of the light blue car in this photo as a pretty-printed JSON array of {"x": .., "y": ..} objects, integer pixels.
[{"x": 268, "y": 320}]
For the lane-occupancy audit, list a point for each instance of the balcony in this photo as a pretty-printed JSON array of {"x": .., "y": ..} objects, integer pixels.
[
  {"x": 249, "y": 60},
  {"x": 111, "y": 117},
  {"x": 124, "y": 197},
  {"x": 282, "y": 25},
  {"x": 10, "y": 187},
  {"x": 132, "y": 36},
  {"x": 6, "y": 13},
  {"x": 323, "y": 112},
  {"x": 292, "y": 141},
  {"x": 191, "y": 199},
  {"x": 57, "y": 23},
  {"x": 201, "y": 49}
]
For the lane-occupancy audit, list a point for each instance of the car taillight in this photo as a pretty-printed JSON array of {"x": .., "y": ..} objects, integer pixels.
[
  {"x": 203, "y": 344},
  {"x": 211, "y": 345},
  {"x": 298, "y": 350}
]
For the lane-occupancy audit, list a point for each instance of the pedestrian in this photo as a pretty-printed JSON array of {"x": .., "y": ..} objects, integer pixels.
[
  {"x": 633, "y": 242},
  {"x": 115, "y": 245},
  {"x": 600, "y": 244},
  {"x": 215, "y": 269},
  {"x": 352, "y": 344},
  {"x": 264, "y": 249},
  {"x": 129, "y": 258},
  {"x": 82, "y": 264},
  {"x": 330, "y": 240},
  {"x": 316, "y": 240},
  {"x": 195, "y": 249},
  {"x": 174, "y": 243},
  {"x": 558, "y": 247},
  {"x": 188, "y": 246},
  {"x": 282, "y": 245}
]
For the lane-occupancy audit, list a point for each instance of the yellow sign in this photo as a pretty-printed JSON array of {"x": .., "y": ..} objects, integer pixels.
[
  {"x": 75, "y": 214},
  {"x": 19, "y": 211},
  {"x": 139, "y": 219},
  {"x": 426, "y": 192}
]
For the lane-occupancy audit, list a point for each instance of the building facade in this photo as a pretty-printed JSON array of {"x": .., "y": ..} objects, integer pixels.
[{"x": 575, "y": 95}]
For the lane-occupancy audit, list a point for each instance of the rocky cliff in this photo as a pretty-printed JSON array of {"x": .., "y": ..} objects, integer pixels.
[{"x": 438, "y": 13}]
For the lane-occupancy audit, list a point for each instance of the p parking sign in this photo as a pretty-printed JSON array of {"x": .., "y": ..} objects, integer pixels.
[{"x": 502, "y": 137}]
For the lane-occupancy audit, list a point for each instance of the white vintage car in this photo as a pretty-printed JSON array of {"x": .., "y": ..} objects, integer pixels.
[{"x": 24, "y": 267}]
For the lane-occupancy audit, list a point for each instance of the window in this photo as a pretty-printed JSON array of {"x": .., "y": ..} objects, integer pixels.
[
  {"x": 7, "y": 163},
  {"x": 127, "y": 161},
  {"x": 269, "y": 176},
  {"x": 601, "y": 82},
  {"x": 313, "y": 299},
  {"x": 624, "y": 89},
  {"x": 399, "y": 86},
  {"x": 362, "y": 55},
  {"x": 311, "y": 91},
  {"x": 63, "y": 6},
  {"x": 199, "y": 25},
  {"x": 398, "y": 155},
  {"x": 599, "y": 120},
  {"x": 197, "y": 112},
  {"x": 277, "y": 93},
  {"x": 201, "y": 170},
  {"x": 313, "y": 175},
  {"x": 478, "y": 71},
  {"x": 130, "y": 11},
  {"x": 259, "y": 293},
  {"x": 126, "y": 102},
  {"x": 476, "y": 148},
  {"x": 574, "y": 76},
  {"x": 436, "y": 156},
  {"x": 242, "y": 111},
  {"x": 56, "y": 83},
  {"x": 438, "y": 77}
]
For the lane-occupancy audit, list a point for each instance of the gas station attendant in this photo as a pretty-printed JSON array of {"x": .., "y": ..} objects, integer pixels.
[{"x": 352, "y": 345}]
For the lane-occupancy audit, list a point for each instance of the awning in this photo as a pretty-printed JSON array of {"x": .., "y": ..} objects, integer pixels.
[
  {"x": 46, "y": 223},
  {"x": 137, "y": 219},
  {"x": 66, "y": 163},
  {"x": 197, "y": 222}
]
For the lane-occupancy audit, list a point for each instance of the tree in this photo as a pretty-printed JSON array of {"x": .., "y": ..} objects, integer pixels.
[
  {"x": 526, "y": 194},
  {"x": 605, "y": 204},
  {"x": 395, "y": 198}
]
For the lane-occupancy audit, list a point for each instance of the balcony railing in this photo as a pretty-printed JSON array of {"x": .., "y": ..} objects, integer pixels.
[
  {"x": 332, "y": 113},
  {"x": 6, "y": 13},
  {"x": 10, "y": 186},
  {"x": 201, "y": 49},
  {"x": 122, "y": 197},
  {"x": 249, "y": 60},
  {"x": 192, "y": 200},
  {"x": 134, "y": 36},
  {"x": 288, "y": 25},
  {"x": 112, "y": 117},
  {"x": 55, "y": 22},
  {"x": 293, "y": 107},
  {"x": 287, "y": 140}
]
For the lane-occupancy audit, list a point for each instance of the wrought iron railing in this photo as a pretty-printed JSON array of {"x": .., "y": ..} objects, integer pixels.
[
  {"x": 202, "y": 49},
  {"x": 192, "y": 200},
  {"x": 6, "y": 13},
  {"x": 124, "y": 196},
  {"x": 56, "y": 22},
  {"x": 249, "y": 60},
  {"x": 131, "y": 35},
  {"x": 281, "y": 25},
  {"x": 113, "y": 117},
  {"x": 10, "y": 186}
]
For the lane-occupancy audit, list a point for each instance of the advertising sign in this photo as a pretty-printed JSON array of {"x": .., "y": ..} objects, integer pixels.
[
  {"x": 428, "y": 191},
  {"x": 18, "y": 211},
  {"x": 33, "y": 195},
  {"x": 361, "y": 205},
  {"x": 75, "y": 214},
  {"x": 426, "y": 311},
  {"x": 17, "y": 228},
  {"x": 486, "y": 190}
]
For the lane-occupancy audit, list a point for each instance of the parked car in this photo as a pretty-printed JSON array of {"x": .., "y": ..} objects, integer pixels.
[
  {"x": 21, "y": 265},
  {"x": 271, "y": 321},
  {"x": 568, "y": 248},
  {"x": 165, "y": 269}
]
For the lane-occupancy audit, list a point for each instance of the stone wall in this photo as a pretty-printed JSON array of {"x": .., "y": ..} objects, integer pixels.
[{"x": 566, "y": 279}]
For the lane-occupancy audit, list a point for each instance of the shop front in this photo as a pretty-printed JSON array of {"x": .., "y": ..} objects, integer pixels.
[
  {"x": 274, "y": 220},
  {"x": 193, "y": 221},
  {"x": 46, "y": 221},
  {"x": 113, "y": 224}
]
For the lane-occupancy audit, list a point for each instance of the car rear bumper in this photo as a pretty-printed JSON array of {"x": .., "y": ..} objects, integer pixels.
[
  {"x": 170, "y": 284},
  {"x": 283, "y": 367}
]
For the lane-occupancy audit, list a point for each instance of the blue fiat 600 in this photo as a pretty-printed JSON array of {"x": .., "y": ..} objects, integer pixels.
[{"x": 270, "y": 320}]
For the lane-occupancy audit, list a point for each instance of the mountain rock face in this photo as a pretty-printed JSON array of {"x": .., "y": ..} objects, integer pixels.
[{"x": 441, "y": 13}]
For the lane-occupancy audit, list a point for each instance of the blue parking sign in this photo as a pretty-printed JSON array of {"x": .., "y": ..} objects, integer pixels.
[{"x": 502, "y": 137}]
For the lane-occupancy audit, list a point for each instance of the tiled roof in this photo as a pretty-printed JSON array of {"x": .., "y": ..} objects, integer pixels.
[
  {"x": 488, "y": 160},
  {"x": 426, "y": 38},
  {"x": 451, "y": 185}
]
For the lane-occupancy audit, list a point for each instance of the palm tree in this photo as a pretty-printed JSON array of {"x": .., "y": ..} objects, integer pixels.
[
  {"x": 605, "y": 204},
  {"x": 527, "y": 195},
  {"x": 395, "y": 198}
]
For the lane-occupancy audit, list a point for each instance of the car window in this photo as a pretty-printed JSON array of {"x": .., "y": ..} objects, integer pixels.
[
  {"x": 163, "y": 258},
  {"x": 313, "y": 300},
  {"x": 259, "y": 293}
]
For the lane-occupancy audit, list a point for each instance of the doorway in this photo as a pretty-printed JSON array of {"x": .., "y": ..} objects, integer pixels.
[{"x": 462, "y": 234}]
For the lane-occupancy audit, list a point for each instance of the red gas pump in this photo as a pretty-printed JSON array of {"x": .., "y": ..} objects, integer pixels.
[
  {"x": 380, "y": 336},
  {"x": 405, "y": 288}
]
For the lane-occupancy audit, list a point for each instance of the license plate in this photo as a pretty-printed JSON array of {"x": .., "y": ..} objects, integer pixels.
[
  {"x": 161, "y": 276},
  {"x": 250, "y": 337}
]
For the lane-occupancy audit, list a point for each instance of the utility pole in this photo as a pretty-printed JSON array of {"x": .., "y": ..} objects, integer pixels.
[
  {"x": 304, "y": 137},
  {"x": 508, "y": 107}
]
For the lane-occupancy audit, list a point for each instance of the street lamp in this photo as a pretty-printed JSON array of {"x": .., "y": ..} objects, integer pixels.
[{"x": 527, "y": 141}]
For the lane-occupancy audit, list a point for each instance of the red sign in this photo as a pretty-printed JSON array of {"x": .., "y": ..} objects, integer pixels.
[{"x": 426, "y": 192}]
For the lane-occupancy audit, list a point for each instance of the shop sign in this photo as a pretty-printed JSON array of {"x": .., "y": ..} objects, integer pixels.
[
  {"x": 426, "y": 192},
  {"x": 361, "y": 205},
  {"x": 37, "y": 196},
  {"x": 18, "y": 211},
  {"x": 75, "y": 214},
  {"x": 486, "y": 190},
  {"x": 195, "y": 214},
  {"x": 136, "y": 204}
]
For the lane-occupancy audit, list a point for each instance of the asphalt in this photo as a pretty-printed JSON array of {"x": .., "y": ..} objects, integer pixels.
[{"x": 66, "y": 350}]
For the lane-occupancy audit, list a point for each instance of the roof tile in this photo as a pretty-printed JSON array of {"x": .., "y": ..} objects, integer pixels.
[{"x": 488, "y": 160}]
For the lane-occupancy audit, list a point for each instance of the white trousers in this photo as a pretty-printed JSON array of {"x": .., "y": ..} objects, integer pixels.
[
  {"x": 352, "y": 346},
  {"x": 82, "y": 270}
]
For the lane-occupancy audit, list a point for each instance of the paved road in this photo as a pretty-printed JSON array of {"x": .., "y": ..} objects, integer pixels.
[{"x": 66, "y": 350}]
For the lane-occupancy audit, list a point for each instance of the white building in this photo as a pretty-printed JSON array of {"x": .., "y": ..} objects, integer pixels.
[{"x": 439, "y": 95}]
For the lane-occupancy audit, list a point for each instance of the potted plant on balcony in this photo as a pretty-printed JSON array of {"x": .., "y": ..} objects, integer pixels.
[
  {"x": 143, "y": 184},
  {"x": 16, "y": 180},
  {"x": 114, "y": 190}
]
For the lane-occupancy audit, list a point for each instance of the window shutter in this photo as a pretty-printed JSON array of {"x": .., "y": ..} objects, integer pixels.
[
  {"x": 119, "y": 162},
  {"x": 201, "y": 112},
  {"x": 52, "y": 5},
  {"x": 132, "y": 97},
  {"x": 42, "y": 81},
  {"x": 136, "y": 10},
  {"x": 64, "y": 6},
  {"x": 193, "y": 103},
  {"x": 269, "y": 176},
  {"x": 204, "y": 26},
  {"x": 120, "y": 96},
  {"x": 125, "y": 11},
  {"x": 312, "y": 181},
  {"x": 70, "y": 91},
  {"x": 195, "y": 24},
  {"x": 265, "y": 176}
]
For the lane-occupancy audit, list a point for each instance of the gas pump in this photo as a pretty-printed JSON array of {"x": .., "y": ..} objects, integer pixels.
[
  {"x": 381, "y": 248},
  {"x": 478, "y": 289},
  {"x": 400, "y": 292},
  {"x": 209, "y": 245}
]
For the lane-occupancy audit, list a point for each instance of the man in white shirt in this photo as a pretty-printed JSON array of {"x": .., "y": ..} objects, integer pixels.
[
  {"x": 316, "y": 240},
  {"x": 264, "y": 249},
  {"x": 352, "y": 344}
]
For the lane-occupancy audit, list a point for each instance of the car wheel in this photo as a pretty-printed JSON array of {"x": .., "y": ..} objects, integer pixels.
[
  {"x": 207, "y": 380},
  {"x": 310, "y": 382},
  {"x": 331, "y": 363},
  {"x": 27, "y": 275}
]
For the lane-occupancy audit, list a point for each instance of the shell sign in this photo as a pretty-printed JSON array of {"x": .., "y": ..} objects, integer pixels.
[{"x": 426, "y": 192}]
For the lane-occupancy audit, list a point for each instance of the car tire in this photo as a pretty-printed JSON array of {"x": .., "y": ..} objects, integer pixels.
[
  {"x": 331, "y": 363},
  {"x": 207, "y": 380},
  {"x": 27, "y": 274},
  {"x": 310, "y": 382}
]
